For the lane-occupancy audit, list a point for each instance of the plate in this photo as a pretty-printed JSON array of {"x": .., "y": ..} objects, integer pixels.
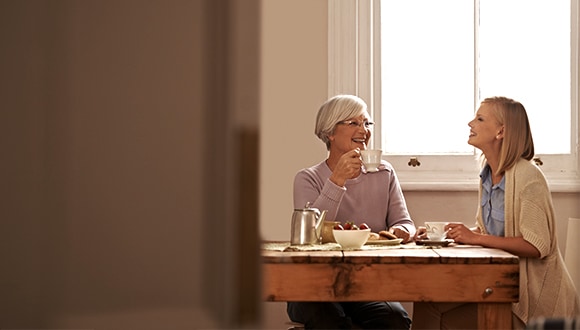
[
  {"x": 427, "y": 242},
  {"x": 384, "y": 241}
]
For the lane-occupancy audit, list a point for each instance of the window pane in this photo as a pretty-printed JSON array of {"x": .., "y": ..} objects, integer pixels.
[
  {"x": 428, "y": 65},
  {"x": 427, "y": 76},
  {"x": 529, "y": 61}
]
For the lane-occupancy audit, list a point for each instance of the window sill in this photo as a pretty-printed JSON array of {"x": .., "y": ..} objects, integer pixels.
[{"x": 557, "y": 185}]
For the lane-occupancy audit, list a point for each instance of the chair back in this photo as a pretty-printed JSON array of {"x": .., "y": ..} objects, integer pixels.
[{"x": 572, "y": 252}]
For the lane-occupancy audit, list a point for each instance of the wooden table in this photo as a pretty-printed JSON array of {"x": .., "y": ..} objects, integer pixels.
[{"x": 488, "y": 277}]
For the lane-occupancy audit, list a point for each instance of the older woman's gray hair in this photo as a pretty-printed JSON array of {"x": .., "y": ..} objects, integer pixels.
[{"x": 335, "y": 110}]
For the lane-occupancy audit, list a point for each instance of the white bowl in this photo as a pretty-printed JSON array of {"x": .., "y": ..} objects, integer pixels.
[{"x": 351, "y": 239}]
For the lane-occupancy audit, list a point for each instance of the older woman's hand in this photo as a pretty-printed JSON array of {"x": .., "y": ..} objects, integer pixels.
[
  {"x": 401, "y": 233},
  {"x": 348, "y": 167}
]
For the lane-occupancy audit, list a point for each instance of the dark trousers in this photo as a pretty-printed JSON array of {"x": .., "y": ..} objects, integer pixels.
[{"x": 343, "y": 315}]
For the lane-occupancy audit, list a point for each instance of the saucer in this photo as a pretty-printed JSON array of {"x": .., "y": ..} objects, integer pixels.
[{"x": 428, "y": 242}]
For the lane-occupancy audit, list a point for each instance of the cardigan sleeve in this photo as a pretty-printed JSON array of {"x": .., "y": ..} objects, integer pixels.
[{"x": 535, "y": 216}]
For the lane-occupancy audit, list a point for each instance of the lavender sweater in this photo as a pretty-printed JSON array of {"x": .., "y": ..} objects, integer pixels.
[{"x": 375, "y": 197}]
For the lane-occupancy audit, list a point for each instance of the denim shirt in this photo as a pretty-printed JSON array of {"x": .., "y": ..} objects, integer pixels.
[{"x": 492, "y": 203}]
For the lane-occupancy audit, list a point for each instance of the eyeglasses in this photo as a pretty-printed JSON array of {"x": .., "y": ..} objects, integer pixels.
[{"x": 355, "y": 123}]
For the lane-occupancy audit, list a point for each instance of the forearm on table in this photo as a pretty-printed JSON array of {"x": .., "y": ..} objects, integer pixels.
[
  {"x": 409, "y": 227},
  {"x": 514, "y": 245}
]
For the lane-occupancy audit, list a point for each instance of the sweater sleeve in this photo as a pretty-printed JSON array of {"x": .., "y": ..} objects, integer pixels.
[{"x": 320, "y": 192}]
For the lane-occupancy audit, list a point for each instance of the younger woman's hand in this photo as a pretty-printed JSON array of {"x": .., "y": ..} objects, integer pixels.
[
  {"x": 421, "y": 233},
  {"x": 460, "y": 233}
]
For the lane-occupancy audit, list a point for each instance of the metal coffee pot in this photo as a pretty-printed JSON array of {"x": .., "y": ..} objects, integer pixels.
[{"x": 306, "y": 225}]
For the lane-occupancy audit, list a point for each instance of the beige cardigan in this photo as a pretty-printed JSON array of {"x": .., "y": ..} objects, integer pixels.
[{"x": 546, "y": 289}]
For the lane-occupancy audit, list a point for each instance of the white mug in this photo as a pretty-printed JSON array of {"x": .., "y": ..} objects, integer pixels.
[{"x": 436, "y": 230}]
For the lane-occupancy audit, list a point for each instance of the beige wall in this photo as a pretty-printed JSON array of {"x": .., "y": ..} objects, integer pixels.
[{"x": 294, "y": 84}]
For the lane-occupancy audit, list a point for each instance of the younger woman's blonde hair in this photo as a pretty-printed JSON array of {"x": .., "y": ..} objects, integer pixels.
[
  {"x": 517, "y": 140},
  {"x": 335, "y": 110}
]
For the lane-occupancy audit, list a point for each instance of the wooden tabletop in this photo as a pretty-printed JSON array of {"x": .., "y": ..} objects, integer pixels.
[{"x": 408, "y": 253}]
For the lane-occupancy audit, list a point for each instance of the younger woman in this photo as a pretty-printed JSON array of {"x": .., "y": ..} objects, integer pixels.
[{"x": 515, "y": 214}]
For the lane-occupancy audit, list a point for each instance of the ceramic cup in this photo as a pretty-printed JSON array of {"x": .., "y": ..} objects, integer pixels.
[
  {"x": 327, "y": 235},
  {"x": 436, "y": 230},
  {"x": 371, "y": 159}
]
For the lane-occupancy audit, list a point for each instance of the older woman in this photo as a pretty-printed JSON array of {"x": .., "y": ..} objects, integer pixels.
[
  {"x": 515, "y": 214},
  {"x": 342, "y": 185}
]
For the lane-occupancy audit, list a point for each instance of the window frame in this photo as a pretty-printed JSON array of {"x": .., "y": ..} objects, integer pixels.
[{"x": 353, "y": 56}]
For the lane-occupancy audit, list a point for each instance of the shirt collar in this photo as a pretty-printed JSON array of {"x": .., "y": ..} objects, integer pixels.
[{"x": 485, "y": 176}]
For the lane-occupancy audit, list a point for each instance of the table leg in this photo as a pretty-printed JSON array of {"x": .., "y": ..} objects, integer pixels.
[{"x": 494, "y": 316}]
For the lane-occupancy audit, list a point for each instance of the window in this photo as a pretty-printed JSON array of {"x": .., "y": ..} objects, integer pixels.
[{"x": 423, "y": 75}]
